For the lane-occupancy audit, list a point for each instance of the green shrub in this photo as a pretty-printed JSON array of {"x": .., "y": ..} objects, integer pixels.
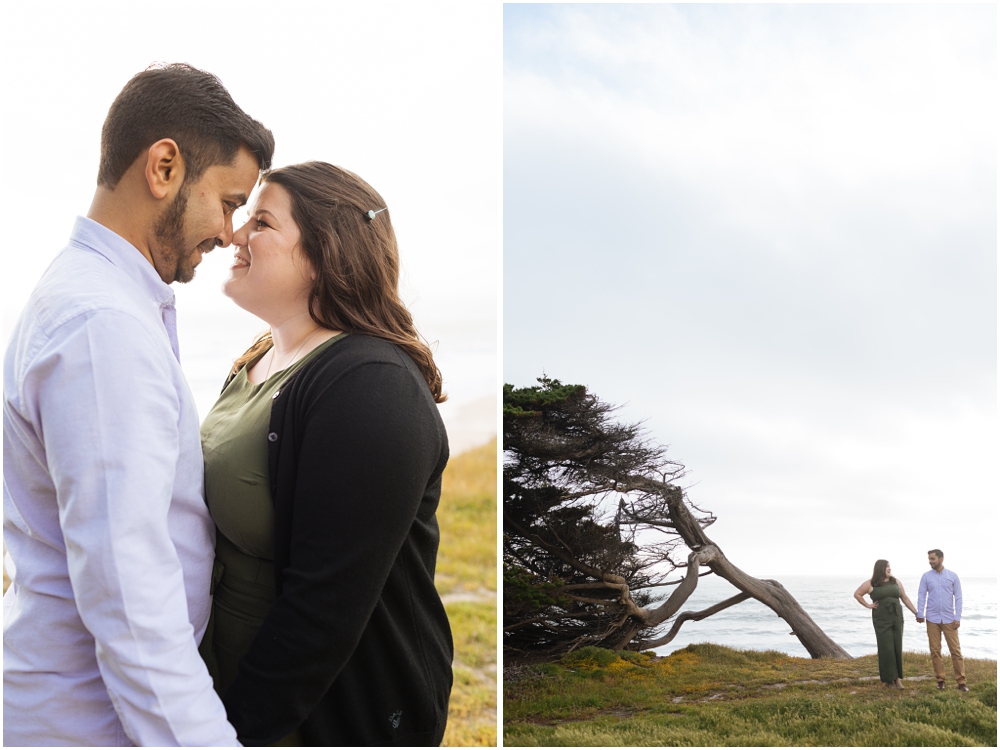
[
  {"x": 987, "y": 693},
  {"x": 641, "y": 659},
  {"x": 590, "y": 657}
]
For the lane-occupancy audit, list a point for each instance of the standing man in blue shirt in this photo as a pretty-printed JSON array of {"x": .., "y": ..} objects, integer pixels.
[
  {"x": 110, "y": 545},
  {"x": 940, "y": 592}
]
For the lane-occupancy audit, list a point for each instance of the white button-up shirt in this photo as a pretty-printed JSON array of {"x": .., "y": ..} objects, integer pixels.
[
  {"x": 104, "y": 515},
  {"x": 941, "y": 593}
]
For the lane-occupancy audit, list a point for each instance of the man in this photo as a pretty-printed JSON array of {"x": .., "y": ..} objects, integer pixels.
[
  {"x": 939, "y": 601},
  {"x": 104, "y": 514}
]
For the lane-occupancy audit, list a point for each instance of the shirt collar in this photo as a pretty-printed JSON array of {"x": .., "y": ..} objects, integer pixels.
[{"x": 123, "y": 255}]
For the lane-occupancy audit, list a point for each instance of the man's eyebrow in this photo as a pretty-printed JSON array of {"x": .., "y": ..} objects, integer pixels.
[{"x": 239, "y": 198}]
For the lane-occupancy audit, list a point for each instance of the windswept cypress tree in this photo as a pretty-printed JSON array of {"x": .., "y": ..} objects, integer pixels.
[{"x": 593, "y": 520}]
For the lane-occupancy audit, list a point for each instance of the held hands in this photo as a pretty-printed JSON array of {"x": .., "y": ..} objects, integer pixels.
[{"x": 920, "y": 619}]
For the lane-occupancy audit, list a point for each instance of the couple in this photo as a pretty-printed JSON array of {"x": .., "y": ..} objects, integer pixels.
[
  {"x": 306, "y": 504},
  {"x": 939, "y": 603}
]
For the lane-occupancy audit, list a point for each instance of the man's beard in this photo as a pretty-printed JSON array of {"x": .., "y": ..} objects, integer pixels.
[{"x": 174, "y": 258}]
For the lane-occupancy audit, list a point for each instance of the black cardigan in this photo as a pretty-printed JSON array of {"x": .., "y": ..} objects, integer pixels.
[{"x": 356, "y": 649}]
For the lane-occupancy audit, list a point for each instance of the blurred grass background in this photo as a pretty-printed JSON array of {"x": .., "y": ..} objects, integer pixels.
[{"x": 467, "y": 581}]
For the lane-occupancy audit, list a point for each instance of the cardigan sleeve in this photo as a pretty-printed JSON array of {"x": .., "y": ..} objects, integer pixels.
[{"x": 365, "y": 448}]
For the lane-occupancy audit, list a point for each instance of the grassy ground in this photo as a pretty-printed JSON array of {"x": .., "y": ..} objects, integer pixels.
[
  {"x": 708, "y": 695},
  {"x": 467, "y": 580}
]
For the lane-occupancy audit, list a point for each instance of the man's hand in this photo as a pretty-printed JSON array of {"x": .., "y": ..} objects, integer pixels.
[
  {"x": 920, "y": 619},
  {"x": 955, "y": 624}
]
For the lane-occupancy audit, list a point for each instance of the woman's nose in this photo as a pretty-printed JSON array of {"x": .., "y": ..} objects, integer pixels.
[{"x": 240, "y": 235}]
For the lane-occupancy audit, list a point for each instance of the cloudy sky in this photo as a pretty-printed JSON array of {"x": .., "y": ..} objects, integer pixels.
[
  {"x": 407, "y": 96},
  {"x": 770, "y": 231}
]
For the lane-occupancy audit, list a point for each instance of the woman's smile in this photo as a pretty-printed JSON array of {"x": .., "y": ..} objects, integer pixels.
[{"x": 270, "y": 241}]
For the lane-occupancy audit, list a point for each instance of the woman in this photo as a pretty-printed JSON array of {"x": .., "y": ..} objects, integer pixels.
[
  {"x": 323, "y": 462},
  {"x": 887, "y": 617}
]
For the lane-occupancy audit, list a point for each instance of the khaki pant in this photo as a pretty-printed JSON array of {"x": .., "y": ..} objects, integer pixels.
[{"x": 934, "y": 631}]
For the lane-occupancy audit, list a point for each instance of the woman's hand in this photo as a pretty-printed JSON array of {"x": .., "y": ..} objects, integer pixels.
[{"x": 864, "y": 588}]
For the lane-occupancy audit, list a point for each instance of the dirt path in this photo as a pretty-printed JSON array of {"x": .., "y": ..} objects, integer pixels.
[{"x": 782, "y": 685}]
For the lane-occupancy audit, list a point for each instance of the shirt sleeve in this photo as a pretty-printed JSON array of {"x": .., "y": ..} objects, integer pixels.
[
  {"x": 108, "y": 413},
  {"x": 922, "y": 596},
  {"x": 958, "y": 598},
  {"x": 367, "y": 452}
]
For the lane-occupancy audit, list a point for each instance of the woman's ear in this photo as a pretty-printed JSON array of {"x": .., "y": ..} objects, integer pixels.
[{"x": 164, "y": 168}]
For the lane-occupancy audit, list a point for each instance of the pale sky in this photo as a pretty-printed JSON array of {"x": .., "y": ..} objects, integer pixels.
[
  {"x": 770, "y": 231},
  {"x": 407, "y": 96}
]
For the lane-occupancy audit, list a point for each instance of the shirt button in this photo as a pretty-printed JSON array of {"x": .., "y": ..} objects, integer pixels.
[
  {"x": 272, "y": 436},
  {"x": 275, "y": 394}
]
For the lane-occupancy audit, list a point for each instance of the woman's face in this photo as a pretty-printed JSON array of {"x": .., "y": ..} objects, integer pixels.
[
  {"x": 270, "y": 275},
  {"x": 888, "y": 571}
]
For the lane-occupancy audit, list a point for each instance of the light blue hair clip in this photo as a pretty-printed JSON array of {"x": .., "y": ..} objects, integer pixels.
[{"x": 371, "y": 214}]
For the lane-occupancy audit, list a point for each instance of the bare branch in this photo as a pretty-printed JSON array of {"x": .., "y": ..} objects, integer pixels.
[{"x": 685, "y": 616}]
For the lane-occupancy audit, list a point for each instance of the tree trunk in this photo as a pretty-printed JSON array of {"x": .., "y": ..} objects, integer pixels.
[{"x": 770, "y": 593}]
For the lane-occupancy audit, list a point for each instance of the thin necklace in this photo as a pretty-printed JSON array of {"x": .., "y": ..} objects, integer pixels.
[{"x": 293, "y": 359}]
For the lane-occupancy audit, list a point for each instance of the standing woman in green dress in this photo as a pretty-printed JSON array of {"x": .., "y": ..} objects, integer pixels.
[
  {"x": 887, "y": 597},
  {"x": 323, "y": 463}
]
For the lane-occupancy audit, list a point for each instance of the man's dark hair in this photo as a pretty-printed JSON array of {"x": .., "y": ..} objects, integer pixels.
[
  {"x": 937, "y": 552},
  {"x": 188, "y": 105}
]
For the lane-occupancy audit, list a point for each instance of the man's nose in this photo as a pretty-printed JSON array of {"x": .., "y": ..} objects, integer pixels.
[{"x": 226, "y": 237}]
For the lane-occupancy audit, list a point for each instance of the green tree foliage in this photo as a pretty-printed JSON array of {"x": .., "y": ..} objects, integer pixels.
[
  {"x": 570, "y": 558},
  {"x": 593, "y": 521}
]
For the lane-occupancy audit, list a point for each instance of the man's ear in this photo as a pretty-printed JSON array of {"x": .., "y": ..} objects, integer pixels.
[{"x": 164, "y": 168}]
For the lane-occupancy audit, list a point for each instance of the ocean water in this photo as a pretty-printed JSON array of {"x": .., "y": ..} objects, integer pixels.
[{"x": 830, "y": 603}]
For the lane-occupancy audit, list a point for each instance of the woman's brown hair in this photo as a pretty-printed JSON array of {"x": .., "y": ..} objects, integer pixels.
[
  {"x": 356, "y": 261},
  {"x": 878, "y": 574}
]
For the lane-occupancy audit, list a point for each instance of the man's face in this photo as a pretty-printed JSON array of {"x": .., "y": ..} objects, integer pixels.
[
  {"x": 935, "y": 561},
  {"x": 201, "y": 217}
]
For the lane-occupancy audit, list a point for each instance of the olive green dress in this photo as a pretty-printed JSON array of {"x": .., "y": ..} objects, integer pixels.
[
  {"x": 237, "y": 489},
  {"x": 888, "y": 621}
]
